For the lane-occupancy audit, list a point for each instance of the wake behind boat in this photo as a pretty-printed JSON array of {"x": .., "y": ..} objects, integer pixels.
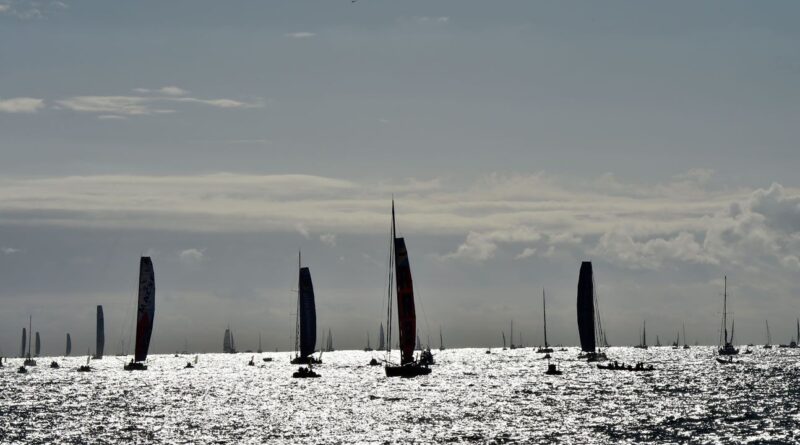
[
  {"x": 145, "y": 314},
  {"x": 406, "y": 314}
]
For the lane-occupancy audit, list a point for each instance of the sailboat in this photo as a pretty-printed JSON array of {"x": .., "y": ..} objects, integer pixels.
[
  {"x": 793, "y": 343},
  {"x": 86, "y": 368},
  {"x": 546, "y": 349},
  {"x": 145, "y": 315},
  {"x": 406, "y": 313},
  {"x": 727, "y": 348},
  {"x": 28, "y": 360},
  {"x": 768, "y": 345},
  {"x": 259, "y": 343},
  {"x": 69, "y": 345},
  {"x": 676, "y": 344},
  {"x": 441, "y": 339},
  {"x": 381, "y": 339},
  {"x": 504, "y": 340},
  {"x": 658, "y": 342},
  {"x": 643, "y": 341},
  {"x": 685, "y": 344},
  {"x": 100, "y": 341},
  {"x": 512, "y": 345},
  {"x": 368, "y": 348},
  {"x": 227, "y": 342},
  {"x": 589, "y": 327},
  {"x": 306, "y": 319},
  {"x": 329, "y": 344},
  {"x": 38, "y": 349},
  {"x": 24, "y": 342}
]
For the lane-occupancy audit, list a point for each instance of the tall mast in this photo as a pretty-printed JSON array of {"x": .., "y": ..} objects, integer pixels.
[
  {"x": 725, "y": 310},
  {"x": 30, "y": 332},
  {"x": 297, "y": 316},
  {"x": 544, "y": 312}
]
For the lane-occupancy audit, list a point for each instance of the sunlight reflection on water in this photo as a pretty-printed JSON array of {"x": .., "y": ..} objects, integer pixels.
[{"x": 470, "y": 397}]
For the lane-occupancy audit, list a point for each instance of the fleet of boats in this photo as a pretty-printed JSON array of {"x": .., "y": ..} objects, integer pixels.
[{"x": 400, "y": 300}]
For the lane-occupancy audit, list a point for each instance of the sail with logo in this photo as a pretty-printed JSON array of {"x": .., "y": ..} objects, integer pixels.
[{"x": 146, "y": 310}]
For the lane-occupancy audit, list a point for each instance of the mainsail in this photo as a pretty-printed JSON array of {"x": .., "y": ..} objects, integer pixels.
[
  {"x": 24, "y": 342},
  {"x": 381, "y": 339},
  {"x": 307, "y": 313},
  {"x": 100, "y": 343},
  {"x": 586, "y": 307},
  {"x": 38, "y": 347},
  {"x": 69, "y": 345},
  {"x": 226, "y": 342},
  {"x": 146, "y": 308},
  {"x": 406, "y": 314}
]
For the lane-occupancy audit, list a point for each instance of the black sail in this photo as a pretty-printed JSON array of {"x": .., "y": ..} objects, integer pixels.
[{"x": 586, "y": 307}]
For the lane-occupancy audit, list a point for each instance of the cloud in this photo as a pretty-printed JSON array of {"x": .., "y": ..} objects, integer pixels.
[
  {"x": 161, "y": 103},
  {"x": 302, "y": 230},
  {"x": 527, "y": 253},
  {"x": 328, "y": 239},
  {"x": 111, "y": 117},
  {"x": 430, "y": 20},
  {"x": 300, "y": 35},
  {"x": 168, "y": 91},
  {"x": 482, "y": 246},
  {"x": 620, "y": 248},
  {"x": 191, "y": 256},
  {"x": 21, "y": 105},
  {"x": 9, "y": 250},
  {"x": 4, "y": 8}
]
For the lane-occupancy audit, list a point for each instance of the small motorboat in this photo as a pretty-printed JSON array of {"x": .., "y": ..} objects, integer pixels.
[
  {"x": 266, "y": 359},
  {"x": 305, "y": 373},
  {"x": 552, "y": 370},
  {"x": 408, "y": 370},
  {"x": 426, "y": 358},
  {"x": 374, "y": 362},
  {"x": 54, "y": 364},
  {"x": 22, "y": 370},
  {"x": 188, "y": 365},
  {"x": 251, "y": 362}
]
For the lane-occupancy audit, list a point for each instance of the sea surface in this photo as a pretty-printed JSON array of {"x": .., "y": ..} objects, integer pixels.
[{"x": 470, "y": 397}]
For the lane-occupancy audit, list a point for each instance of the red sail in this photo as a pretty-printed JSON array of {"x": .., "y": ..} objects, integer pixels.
[{"x": 406, "y": 315}]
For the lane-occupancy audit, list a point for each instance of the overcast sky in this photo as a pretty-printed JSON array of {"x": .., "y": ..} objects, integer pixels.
[{"x": 658, "y": 140}]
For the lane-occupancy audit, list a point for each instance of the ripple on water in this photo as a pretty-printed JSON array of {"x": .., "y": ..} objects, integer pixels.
[{"x": 471, "y": 397}]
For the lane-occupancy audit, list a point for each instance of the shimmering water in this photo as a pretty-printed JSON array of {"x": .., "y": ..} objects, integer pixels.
[{"x": 502, "y": 397}]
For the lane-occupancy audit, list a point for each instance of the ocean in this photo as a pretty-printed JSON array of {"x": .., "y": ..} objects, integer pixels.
[{"x": 470, "y": 397}]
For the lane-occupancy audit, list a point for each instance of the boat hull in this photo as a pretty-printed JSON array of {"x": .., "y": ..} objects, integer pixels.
[
  {"x": 407, "y": 371},
  {"x": 306, "y": 361},
  {"x": 135, "y": 366}
]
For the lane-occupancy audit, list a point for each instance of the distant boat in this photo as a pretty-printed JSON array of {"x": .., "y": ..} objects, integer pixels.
[
  {"x": 145, "y": 315},
  {"x": 228, "y": 346},
  {"x": 368, "y": 348},
  {"x": 86, "y": 368},
  {"x": 24, "y": 342},
  {"x": 643, "y": 340},
  {"x": 793, "y": 343},
  {"x": 685, "y": 344},
  {"x": 768, "y": 345},
  {"x": 329, "y": 343},
  {"x": 406, "y": 313},
  {"x": 38, "y": 349},
  {"x": 546, "y": 349},
  {"x": 381, "y": 339},
  {"x": 727, "y": 346},
  {"x": 589, "y": 326},
  {"x": 259, "y": 343},
  {"x": 676, "y": 344},
  {"x": 28, "y": 360},
  {"x": 306, "y": 318},
  {"x": 504, "y": 340},
  {"x": 658, "y": 342},
  {"x": 100, "y": 340},
  {"x": 69, "y": 345},
  {"x": 418, "y": 346},
  {"x": 512, "y": 345}
]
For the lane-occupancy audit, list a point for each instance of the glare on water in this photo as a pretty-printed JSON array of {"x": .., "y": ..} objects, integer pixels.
[{"x": 503, "y": 397}]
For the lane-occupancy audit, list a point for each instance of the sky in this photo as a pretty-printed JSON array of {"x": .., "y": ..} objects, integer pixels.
[{"x": 658, "y": 140}]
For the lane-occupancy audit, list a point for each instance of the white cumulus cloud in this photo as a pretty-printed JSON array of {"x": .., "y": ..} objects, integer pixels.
[{"x": 21, "y": 105}]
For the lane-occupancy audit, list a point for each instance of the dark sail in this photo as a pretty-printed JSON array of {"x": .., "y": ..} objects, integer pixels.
[
  {"x": 100, "y": 343},
  {"x": 38, "y": 345},
  {"x": 146, "y": 308},
  {"x": 406, "y": 314},
  {"x": 308, "y": 314},
  {"x": 586, "y": 307},
  {"x": 226, "y": 342},
  {"x": 24, "y": 341},
  {"x": 69, "y": 345},
  {"x": 381, "y": 339}
]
